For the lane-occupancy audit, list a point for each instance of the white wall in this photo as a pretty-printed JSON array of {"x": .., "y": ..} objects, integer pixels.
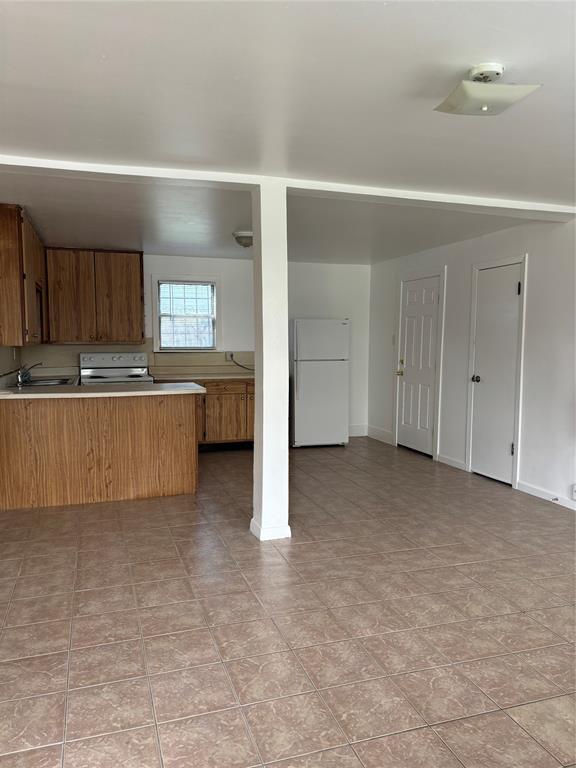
[
  {"x": 314, "y": 290},
  {"x": 235, "y": 294},
  {"x": 547, "y": 450}
]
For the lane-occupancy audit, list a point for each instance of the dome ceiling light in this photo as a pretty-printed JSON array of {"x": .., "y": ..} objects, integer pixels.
[
  {"x": 482, "y": 94},
  {"x": 245, "y": 238}
]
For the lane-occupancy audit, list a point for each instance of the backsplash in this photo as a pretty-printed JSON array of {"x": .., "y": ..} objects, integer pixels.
[
  {"x": 63, "y": 359},
  {"x": 9, "y": 359}
]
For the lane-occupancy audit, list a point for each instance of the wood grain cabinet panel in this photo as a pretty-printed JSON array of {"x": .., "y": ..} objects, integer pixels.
[
  {"x": 225, "y": 414},
  {"x": 23, "y": 305},
  {"x": 250, "y": 416},
  {"x": 119, "y": 297},
  {"x": 83, "y": 450},
  {"x": 225, "y": 418},
  {"x": 35, "y": 300},
  {"x": 71, "y": 295},
  {"x": 12, "y": 328}
]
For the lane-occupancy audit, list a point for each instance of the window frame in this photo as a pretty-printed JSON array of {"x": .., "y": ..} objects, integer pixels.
[{"x": 157, "y": 280}]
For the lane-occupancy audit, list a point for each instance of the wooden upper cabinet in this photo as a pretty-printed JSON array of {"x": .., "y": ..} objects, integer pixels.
[
  {"x": 12, "y": 328},
  {"x": 35, "y": 301},
  {"x": 119, "y": 299},
  {"x": 95, "y": 296},
  {"x": 71, "y": 295},
  {"x": 23, "y": 314}
]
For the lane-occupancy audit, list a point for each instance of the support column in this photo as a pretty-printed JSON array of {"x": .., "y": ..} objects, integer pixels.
[{"x": 269, "y": 223}]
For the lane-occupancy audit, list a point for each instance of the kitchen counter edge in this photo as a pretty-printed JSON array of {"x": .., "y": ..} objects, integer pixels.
[{"x": 101, "y": 390}]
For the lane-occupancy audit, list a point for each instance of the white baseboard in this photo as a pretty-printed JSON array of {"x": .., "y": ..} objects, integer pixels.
[
  {"x": 358, "y": 430},
  {"x": 267, "y": 534},
  {"x": 384, "y": 435},
  {"x": 542, "y": 493},
  {"x": 456, "y": 463}
]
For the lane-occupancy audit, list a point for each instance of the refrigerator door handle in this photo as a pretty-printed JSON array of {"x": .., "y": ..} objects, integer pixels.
[
  {"x": 296, "y": 380},
  {"x": 296, "y": 355}
]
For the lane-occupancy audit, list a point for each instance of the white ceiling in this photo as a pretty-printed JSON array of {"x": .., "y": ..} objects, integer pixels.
[
  {"x": 338, "y": 91},
  {"x": 177, "y": 218}
]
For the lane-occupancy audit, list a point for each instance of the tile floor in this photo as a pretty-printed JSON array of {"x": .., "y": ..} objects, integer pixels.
[{"x": 420, "y": 617}]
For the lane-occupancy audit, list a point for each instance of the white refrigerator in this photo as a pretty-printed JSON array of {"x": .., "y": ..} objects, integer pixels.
[{"x": 320, "y": 382}]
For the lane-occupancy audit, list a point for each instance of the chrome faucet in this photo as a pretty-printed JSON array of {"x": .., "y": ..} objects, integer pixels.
[{"x": 24, "y": 375}]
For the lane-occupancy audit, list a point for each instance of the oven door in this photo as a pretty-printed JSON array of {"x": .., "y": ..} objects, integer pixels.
[{"x": 115, "y": 376}]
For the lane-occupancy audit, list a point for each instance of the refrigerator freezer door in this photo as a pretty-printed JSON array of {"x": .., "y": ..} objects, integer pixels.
[
  {"x": 320, "y": 403},
  {"x": 321, "y": 339}
]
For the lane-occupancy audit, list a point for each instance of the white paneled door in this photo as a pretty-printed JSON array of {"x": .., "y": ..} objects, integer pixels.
[
  {"x": 495, "y": 371},
  {"x": 417, "y": 363}
]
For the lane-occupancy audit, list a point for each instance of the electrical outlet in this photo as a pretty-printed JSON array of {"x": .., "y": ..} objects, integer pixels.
[
  {"x": 228, "y": 356},
  {"x": 574, "y": 492}
]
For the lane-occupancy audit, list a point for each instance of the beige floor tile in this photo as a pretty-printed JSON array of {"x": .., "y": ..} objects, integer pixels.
[
  {"x": 443, "y": 693},
  {"x": 106, "y": 663},
  {"x": 338, "y": 663},
  {"x": 509, "y": 680},
  {"x": 248, "y": 638},
  {"x": 171, "y": 618},
  {"x": 557, "y": 663},
  {"x": 189, "y": 692},
  {"x": 462, "y": 641},
  {"x": 412, "y": 749},
  {"x": 369, "y": 618},
  {"x": 519, "y": 632},
  {"x": 137, "y": 748},
  {"x": 45, "y": 757},
  {"x": 552, "y": 723},
  {"x": 166, "y": 653},
  {"x": 227, "y": 609},
  {"x": 163, "y": 592},
  {"x": 105, "y": 628},
  {"x": 303, "y": 629},
  {"x": 34, "y": 639},
  {"x": 30, "y": 723},
  {"x": 293, "y": 726},
  {"x": 269, "y": 676},
  {"x": 91, "y": 602},
  {"x": 341, "y": 757},
  {"x": 371, "y": 708},
  {"x": 31, "y": 610},
  {"x": 493, "y": 740},
  {"x": 217, "y": 740},
  {"x": 33, "y": 676},
  {"x": 404, "y": 651},
  {"x": 106, "y": 708}
]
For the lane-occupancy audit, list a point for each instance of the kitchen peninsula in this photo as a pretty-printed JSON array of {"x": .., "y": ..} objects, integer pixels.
[{"x": 76, "y": 445}]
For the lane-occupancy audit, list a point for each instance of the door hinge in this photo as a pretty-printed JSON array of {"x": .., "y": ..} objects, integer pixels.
[
  {"x": 519, "y": 287},
  {"x": 512, "y": 449}
]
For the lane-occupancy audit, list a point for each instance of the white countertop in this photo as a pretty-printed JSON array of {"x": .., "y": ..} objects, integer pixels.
[
  {"x": 101, "y": 390},
  {"x": 202, "y": 376}
]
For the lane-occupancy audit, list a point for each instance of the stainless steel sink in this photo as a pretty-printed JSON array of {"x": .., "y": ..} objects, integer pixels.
[{"x": 55, "y": 382}]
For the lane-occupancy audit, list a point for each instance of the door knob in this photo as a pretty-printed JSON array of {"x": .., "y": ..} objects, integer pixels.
[
  {"x": 399, "y": 373},
  {"x": 476, "y": 378}
]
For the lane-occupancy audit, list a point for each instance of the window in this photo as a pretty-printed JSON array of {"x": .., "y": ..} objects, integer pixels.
[{"x": 187, "y": 315}]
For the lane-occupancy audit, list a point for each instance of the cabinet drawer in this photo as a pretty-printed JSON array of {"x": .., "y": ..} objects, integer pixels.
[
  {"x": 250, "y": 387},
  {"x": 225, "y": 387}
]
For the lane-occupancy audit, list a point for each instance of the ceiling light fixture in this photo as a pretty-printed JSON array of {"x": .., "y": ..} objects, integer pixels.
[
  {"x": 482, "y": 94},
  {"x": 245, "y": 238}
]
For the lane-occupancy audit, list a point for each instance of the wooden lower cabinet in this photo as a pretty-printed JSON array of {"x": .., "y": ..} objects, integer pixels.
[
  {"x": 80, "y": 450},
  {"x": 225, "y": 418},
  {"x": 225, "y": 414},
  {"x": 250, "y": 412}
]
